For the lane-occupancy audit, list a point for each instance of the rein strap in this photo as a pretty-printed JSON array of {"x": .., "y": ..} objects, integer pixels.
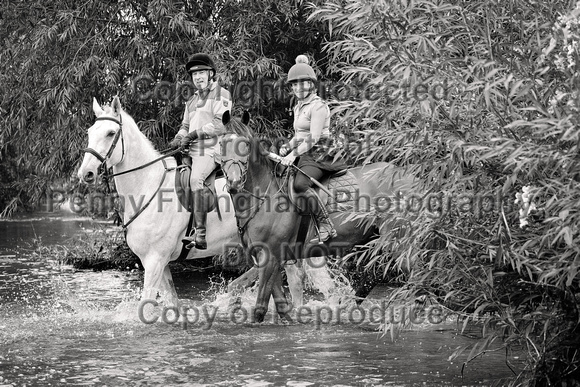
[
  {"x": 150, "y": 199},
  {"x": 106, "y": 175}
]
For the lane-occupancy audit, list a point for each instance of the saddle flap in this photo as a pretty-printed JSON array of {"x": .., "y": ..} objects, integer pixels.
[
  {"x": 342, "y": 185},
  {"x": 182, "y": 191},
  {"x": 183, "y": 188}
]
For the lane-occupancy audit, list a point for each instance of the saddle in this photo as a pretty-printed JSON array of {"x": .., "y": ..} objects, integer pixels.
[
  {"x": 186, "y": 198},
  {"x": 183, "y": 189},
  {"x": 343, "y": 188}
]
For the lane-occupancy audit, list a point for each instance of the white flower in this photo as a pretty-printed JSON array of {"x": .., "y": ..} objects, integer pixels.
[{"x": 523, "y": 199}]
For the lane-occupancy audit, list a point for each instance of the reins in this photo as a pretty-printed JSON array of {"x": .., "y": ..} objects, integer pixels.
[
  {"x": 243, "y": 227},
  {"x": 278, "y": 159},
  {"x": 135, "y": 215},
  {"x": 107, "y": 176}
]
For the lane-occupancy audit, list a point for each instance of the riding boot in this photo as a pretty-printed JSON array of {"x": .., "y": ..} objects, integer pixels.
[
  {"x": 200, "y": 219},
  {"x": 197, "y": 239},
  {"x": 326, "y": 229}
]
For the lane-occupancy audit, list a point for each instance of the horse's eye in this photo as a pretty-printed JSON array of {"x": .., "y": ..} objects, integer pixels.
[{"x": 111, "y": 133}]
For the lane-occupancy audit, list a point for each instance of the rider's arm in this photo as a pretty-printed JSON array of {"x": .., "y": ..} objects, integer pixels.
[
  {"x": 184, "y": 128},
  {"x": 293, "y": 143}
]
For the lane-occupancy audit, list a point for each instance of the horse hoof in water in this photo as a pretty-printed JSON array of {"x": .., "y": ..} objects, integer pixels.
[
  {"x": 260, "y": 314},
  {"x": 286, "y": 316},
  {"x": 284, "y": 308}
]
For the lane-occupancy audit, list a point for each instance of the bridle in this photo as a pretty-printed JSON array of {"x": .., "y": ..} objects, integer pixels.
[
  {"x": 105, "y": 170},
  {"x": 118, "y": 134},
  {"x": 242, "y": 166}
]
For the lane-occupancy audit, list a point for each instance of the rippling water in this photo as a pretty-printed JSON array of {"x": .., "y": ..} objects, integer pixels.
[{"x": 61, "y": 326}]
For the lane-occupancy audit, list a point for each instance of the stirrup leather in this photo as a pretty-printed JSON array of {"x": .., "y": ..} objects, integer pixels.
[{"x": 325, "y": 231}]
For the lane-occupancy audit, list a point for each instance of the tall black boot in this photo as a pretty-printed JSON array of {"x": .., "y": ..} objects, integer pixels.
[
  {"x": 200, "y": 219},
  {"x": 197, "y": 240}
]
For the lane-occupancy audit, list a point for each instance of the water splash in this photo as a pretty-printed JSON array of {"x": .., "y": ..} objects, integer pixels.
[{"x": 61, "y": 326}]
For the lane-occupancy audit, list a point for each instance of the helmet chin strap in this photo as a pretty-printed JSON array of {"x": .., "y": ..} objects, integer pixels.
[
  {"x": 202, "y": 92},
  {"x": 206, "y": 89},
  {"x": 311, "y": 90},
  {"x": 306, "y": 96}
]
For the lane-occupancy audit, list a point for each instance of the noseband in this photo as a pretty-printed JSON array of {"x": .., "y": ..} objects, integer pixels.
[
  {"x": 118, "y": 134},
  {"x": 241, "y": 164}
]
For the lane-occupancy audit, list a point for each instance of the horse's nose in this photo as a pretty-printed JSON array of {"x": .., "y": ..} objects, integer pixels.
[
  {"x": 233, "y": 185},
  {"x": 232, "y": 188},
  {"x": 88, "y": 177}
]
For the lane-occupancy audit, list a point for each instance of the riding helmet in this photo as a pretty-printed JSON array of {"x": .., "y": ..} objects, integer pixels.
[
  {"x": 301, "y": 70},
  {"x": 200, "y": 62}
]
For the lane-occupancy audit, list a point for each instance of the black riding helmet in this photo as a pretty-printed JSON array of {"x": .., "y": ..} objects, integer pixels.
[{"x": 200, "y": 62}]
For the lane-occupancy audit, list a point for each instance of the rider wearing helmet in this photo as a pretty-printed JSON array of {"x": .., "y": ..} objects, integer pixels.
[
  {"x": 310, "y": 143},
  {"x": 201, "y": 130}
]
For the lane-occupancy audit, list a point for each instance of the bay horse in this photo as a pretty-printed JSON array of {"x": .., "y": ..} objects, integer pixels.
[
  {"x": 154, "y": 220},
  {"x": 268, "y": 220},
  {"x": 153, "y": 217}
]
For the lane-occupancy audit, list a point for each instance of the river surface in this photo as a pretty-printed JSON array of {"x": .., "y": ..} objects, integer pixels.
[{"x": 62, "y": 326}]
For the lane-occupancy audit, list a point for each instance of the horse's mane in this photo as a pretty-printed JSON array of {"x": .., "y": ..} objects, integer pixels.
[
  {"x": 236, "y": 126},
  {"x": 128, "y": 121},
  {"x": 258, "y": 144}
]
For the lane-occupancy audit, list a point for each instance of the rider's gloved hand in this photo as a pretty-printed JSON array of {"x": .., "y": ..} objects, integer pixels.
[
  {"x": 188, "y": 139},
  {"x": 288, "y": 159},
  {"x": 176, "y": 142},
  {"x": 284, "y": 149}
]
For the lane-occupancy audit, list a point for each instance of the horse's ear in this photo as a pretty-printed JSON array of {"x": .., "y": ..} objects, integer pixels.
[
  {"x": 226, "y": 117},
  {"x": 97, "y": 108},
  {"x": 116, "y": 105},
  {"x": 246, "y": 118}
]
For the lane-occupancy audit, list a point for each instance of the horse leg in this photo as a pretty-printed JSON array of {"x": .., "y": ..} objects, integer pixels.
[
  {"x": 266, "y": 268},
  {"x": 283, "y": 307},
  {"x": 270, "y": 283},
  {"x": 295, "y": 276},
  {"x": 156, "y": 281},
  {"x": 168, "y": 287}
]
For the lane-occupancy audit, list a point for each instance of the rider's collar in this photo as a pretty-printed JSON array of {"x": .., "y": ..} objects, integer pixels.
[
  {"x": 308, "y": 99},
  {"x": 210, "y": 86}
]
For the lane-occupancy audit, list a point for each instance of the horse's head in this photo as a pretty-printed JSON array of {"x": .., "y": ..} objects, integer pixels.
[
  {"x": 106, "y": 143},
  {"x": 245, "y": 157},
  {"x": 236, "y": 149}
]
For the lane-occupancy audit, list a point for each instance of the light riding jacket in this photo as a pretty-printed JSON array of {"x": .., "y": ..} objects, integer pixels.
[
  {"x": 203, "y": 113},
  {"x": 311, "y": 124}
]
